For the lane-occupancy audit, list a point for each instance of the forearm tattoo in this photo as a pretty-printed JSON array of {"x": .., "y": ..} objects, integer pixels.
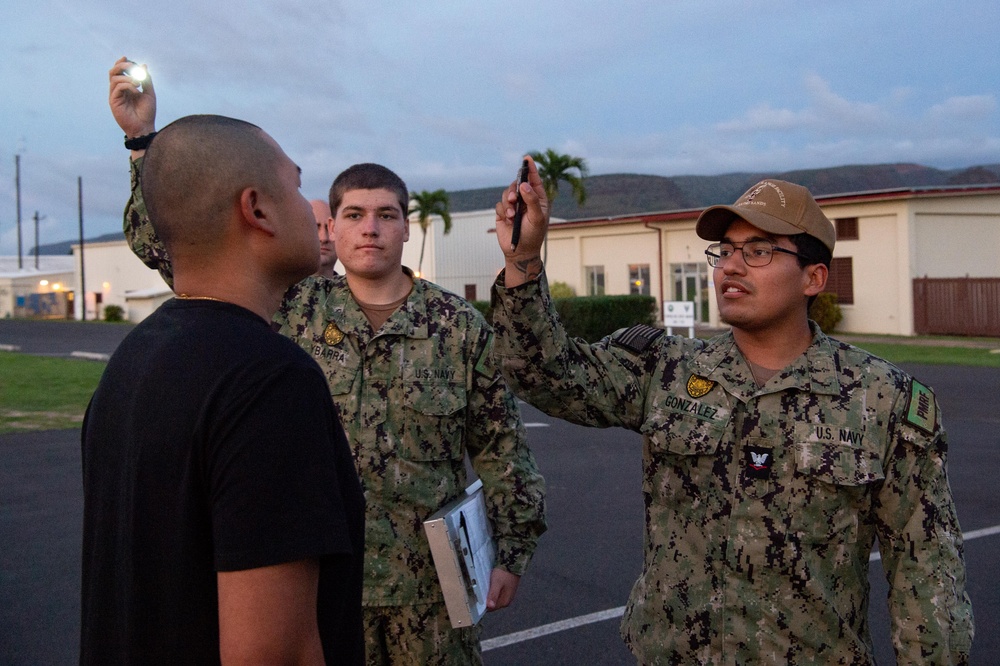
[{"x": 529, "y": 268}]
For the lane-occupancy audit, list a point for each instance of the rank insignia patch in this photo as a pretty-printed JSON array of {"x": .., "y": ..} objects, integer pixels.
[
  {"x": 637, "y": 338},
  {"x": 699, "y": 386},
  {"x": 332, "y": 335},
  {"x": 758, "y": 461}
]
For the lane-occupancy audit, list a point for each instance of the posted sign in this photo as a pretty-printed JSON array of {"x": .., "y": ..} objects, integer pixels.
[{"x": 678, "y": 313}]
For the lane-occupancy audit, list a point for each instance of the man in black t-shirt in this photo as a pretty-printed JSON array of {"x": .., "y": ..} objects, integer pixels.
[{"x": 223, "y": 519}]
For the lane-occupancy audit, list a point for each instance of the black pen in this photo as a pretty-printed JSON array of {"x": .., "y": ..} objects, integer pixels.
[{"x": 515, "y": 233}]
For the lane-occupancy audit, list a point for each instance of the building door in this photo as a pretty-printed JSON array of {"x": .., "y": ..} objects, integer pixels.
[{"x": 690, "y": 283}]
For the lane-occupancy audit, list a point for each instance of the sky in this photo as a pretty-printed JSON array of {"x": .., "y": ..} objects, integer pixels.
[{"x": 450, "y": 94}]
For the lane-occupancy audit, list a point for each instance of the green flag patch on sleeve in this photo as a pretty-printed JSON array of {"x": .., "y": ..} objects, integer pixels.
[
  {"x": 484, "y": 365},
  {"x": 921, "y": 412}
]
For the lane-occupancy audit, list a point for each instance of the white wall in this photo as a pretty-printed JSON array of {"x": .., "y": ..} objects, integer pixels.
[
  {"x": 111, "y": 269},
  {"x": 956, "y": 245},
  {"x": 881, "y": 288}
]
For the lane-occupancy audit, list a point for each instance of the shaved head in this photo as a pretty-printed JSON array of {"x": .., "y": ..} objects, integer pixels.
[
  {"x": 321, "y": 210},
  {"x": 193, "y": 174}
]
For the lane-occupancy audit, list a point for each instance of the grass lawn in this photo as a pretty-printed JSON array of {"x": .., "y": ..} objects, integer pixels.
[
  {"x": 42, "y": 393},
  {"x": 931, "y": 355}
]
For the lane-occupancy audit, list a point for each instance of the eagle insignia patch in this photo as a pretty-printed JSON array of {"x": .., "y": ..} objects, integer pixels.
[
  {"x": 332, "y": 335},
  {"x": 699, "y": 386}
]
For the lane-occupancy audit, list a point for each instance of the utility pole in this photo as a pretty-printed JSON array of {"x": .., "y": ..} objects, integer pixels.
[
  {"x": 83, "y": 279},
  {"x": 36, "y": 238},
  {"x": 17, "y": 186}
]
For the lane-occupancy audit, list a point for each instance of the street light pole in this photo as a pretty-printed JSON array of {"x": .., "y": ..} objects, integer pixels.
[
  {"x": 36, "y": 240},
  {"x": 83, "y": 279},
  {"x": 17, "y": 186}
]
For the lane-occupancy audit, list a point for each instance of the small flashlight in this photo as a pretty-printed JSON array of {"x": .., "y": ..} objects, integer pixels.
[{"x": 135, "y": 72}]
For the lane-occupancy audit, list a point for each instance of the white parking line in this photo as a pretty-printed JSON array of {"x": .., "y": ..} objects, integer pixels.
[
  {"x": 536, "y": 425},
  {"x": 967, "y": 536},
  {"x": 555, "y": 627},
  {"x": 613, "y": 613},
  {"x": 91, "y": 356}
]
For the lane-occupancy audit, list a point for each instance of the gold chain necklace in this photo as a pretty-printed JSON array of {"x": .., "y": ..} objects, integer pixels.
[{"x": 185, "y": 297}]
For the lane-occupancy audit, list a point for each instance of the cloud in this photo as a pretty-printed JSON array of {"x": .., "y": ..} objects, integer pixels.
[
  {"x": 970, "y": 108},
  {"x": 449, "y": 94},
  {"x": 765, "y": 118},
  {"x": 824, "y": 112}
]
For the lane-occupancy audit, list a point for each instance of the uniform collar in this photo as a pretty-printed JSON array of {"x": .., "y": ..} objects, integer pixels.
[
  {"x": 409, "y": 320},
  {"x": 814, "y": 371}
]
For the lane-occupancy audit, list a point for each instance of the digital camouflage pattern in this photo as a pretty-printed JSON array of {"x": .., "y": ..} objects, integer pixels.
[
  {"x": 414, "y": 397},
  {"x": 421, "y": 635},
  {"x": 139, "y": 232},
  {"x": 762, "y": 504}
]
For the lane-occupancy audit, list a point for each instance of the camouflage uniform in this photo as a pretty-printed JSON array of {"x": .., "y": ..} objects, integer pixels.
[
  {"x": 762, "y": 504},
  {"x": 414, "y": 397}
]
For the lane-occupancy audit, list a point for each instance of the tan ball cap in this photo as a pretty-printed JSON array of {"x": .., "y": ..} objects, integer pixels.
[{"x": 774, "y": 206}]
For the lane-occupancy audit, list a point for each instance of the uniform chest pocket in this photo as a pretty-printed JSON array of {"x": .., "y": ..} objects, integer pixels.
[
  {"x": 683, "y": 427},
  {"x": 434, "y": 421},
  {"x": 831, "y": 490},
  {"x": 679, "y": 457},
  {"x": 681, "y": 436},
  {"x": 340, "y": 380}
]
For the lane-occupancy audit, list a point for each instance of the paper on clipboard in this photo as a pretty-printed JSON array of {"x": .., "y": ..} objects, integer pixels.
[{"x": 464, "y": 554}]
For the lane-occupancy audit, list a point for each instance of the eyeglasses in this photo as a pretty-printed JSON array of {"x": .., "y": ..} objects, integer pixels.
[{"x": 756, "y": 253}]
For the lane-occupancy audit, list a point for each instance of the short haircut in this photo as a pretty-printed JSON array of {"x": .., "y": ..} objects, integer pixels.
[
  {"x": 813, "y": 251},
  {"x": 368, "y": 176},
  {"x": 194, "y": 171}
]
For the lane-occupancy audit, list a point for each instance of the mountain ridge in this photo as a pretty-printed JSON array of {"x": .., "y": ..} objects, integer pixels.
[{"x": 612, "y": 195}]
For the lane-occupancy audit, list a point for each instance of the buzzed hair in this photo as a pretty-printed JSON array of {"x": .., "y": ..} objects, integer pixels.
[
  {"x": 368, "y": 176},
  {"x": 194, "y": 171}
]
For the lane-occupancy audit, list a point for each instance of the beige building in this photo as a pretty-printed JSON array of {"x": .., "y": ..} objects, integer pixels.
[
  {"x": 887, "y": 240},
  {"x": 465, "y": 261},
  {"x": 44, "y": 292},
  {"x": 113, "y": 275}
]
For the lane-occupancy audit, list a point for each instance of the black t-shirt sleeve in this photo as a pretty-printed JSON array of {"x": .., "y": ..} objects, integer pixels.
[{"x": 272, "y": 474}]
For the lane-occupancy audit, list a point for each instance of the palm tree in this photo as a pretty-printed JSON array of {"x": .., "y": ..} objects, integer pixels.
[
  {"x": 427, "y": 204},
  {"x": 554, "y": 167}
]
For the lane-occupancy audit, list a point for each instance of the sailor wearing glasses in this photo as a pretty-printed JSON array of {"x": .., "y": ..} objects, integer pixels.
[{"x": 774, "y": 456}]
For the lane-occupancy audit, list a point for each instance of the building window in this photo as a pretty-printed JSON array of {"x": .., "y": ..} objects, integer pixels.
[
  {"x": 841, "y": 280},
  {"x": 595, "y": 280},
  {"x": 690, "y": 283},
  {"x": 470, "y": 292},
  {"x": 638, "y": 279},
  {"x": 847, "y": 228}
]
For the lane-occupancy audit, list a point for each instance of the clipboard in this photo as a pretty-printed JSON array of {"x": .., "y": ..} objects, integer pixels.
[{"x": 461, "y": 542}]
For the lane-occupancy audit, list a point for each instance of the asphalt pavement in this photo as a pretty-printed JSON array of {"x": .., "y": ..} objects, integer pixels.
[
  {"x": 568, "y": 605},
  {"x": 60, "y": 337}
]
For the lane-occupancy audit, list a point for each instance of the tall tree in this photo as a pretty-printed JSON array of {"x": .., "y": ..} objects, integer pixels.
[
  {"x": 427, "y": 204},
  {"x": 554, "y": 167}
]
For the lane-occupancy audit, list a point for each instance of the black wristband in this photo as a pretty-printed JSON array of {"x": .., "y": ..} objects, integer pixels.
[{"x": 139, "y": 142}]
